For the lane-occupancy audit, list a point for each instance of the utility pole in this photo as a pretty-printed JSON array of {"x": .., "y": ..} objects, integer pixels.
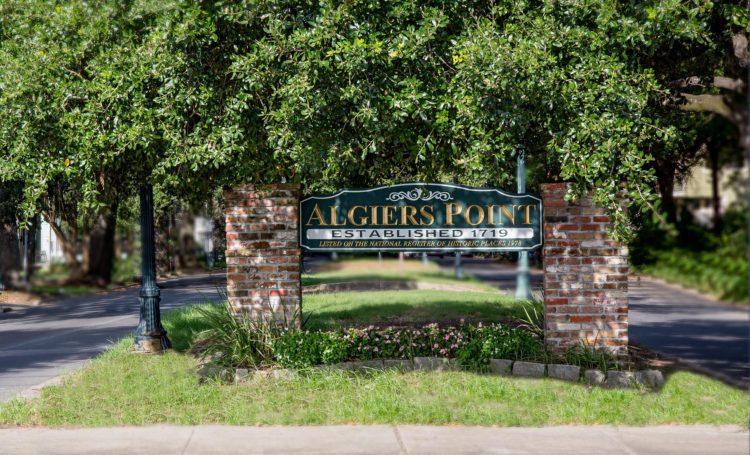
[
  {"x": 150, "y": 336},
  {"x": 522, "y": 271}
]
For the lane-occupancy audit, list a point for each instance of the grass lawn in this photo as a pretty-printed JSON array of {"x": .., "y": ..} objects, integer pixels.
[
  {"x": 358, "y": 270},
  {"x": 119, "y": 388},
  {"x": 406, "y": 307}
]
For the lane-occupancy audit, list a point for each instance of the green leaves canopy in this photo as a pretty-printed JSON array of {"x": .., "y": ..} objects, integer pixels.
[{"x": 197, "y": 94}]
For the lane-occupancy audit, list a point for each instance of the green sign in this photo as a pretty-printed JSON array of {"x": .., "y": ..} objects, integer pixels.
[{"x": 421, "y": 217}]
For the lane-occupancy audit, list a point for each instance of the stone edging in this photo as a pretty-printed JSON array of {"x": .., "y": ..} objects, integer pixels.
[{"x": 652, "y": 379}]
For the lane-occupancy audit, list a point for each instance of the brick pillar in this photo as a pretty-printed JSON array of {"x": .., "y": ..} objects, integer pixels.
[
  {"x": 585, "y": 276},
  {"x": 263, "y": 254}
]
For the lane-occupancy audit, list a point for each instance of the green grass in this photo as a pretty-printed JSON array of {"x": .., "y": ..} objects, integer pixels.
[
  {"x": 119, "y": 388},
  {"x": 718, "y": 273},
  {"x": 363, "y": 270},
  {"x": 406, "y": 307}
]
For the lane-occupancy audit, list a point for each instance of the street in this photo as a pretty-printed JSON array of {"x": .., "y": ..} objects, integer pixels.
[{"x": 38, "y": 343}]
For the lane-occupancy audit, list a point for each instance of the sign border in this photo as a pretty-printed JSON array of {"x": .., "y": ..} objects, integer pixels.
[{"x": 430, "y": 249}]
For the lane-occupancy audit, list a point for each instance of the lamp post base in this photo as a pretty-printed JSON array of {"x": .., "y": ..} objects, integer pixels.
[{"x": 151, "y": 344}]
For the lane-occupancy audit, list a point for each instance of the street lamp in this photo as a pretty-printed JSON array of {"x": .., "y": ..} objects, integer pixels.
[{"x": 150, "y": 336}]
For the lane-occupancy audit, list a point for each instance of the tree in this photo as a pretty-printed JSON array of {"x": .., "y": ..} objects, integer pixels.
[
  {"x": 10, "y": 253},
  {"x": 194, "y": 95}
]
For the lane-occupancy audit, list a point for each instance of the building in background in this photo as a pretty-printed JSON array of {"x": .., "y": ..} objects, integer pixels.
[
  {"x": 49, "y": 249},
  {"x": 696, "y": 194}
]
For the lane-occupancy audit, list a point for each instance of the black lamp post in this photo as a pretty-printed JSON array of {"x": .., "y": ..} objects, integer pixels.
[{"x": 150, "y": 336}]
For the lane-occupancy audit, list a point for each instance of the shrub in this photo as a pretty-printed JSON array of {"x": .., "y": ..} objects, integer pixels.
[
  {"x": 302, "y": 348},
  {"x": 237, "y": 340},
  {"x": 241, "y": 341},
  {"x": 405, "y": 343},
  {"x": 588, "y": 358},
  {"x": 499, "y": 342}
]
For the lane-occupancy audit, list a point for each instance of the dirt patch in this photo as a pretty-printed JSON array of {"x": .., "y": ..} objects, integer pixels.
[{"x": 19, "y": 298}]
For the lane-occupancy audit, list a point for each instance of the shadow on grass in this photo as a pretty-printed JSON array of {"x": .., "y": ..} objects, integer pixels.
[
  {"x": 396, "y": 313},
  {"x": 391, "y": 275},
  {"x": 184, "y": 324}
]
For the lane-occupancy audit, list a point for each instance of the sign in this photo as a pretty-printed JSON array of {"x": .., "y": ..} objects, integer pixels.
[{"x": 421, "y": 217}]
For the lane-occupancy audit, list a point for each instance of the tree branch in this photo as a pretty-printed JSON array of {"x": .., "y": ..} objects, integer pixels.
[
  {"x": 707, "y": 103},
  {"x": 728, "y": 83},
  {"x": 739, "y": 43},
  {"x": 75, "y": 73}
]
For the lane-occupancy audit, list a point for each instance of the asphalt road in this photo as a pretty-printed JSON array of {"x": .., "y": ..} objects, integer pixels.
[
  {"x": 41, "y": 342},
  {"x": 678, "y": 323}
]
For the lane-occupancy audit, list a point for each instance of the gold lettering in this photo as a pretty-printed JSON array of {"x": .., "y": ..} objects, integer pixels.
[
  {"x": 528, "y": 216},
  {"x": 508, "y": 214},
  {"x": 451, "y": 210},
  {"x": 388, "y": 212},
  {"x": 467, "y": 215},
  {"x": 334, "y": 221},
  {"x": 491, "y": 214},
  {"x": 362, "y": 219},
  {"x": 426, "y": 212},
  {"x": 316, "y": 213},
  {"x": 407, "y": 215}
]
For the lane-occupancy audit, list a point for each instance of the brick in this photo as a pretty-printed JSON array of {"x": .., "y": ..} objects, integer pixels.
[
  {"x": 263, "y": 255},
  {"x": 586, "y": 273}
]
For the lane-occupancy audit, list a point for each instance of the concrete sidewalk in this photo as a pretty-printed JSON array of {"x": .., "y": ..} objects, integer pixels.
[{"x": 381, "y": 440}]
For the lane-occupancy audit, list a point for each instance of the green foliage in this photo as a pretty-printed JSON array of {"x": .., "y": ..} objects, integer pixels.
[
  {"x": 694, "y": 257},
  {"x": 533, "y": 317},
  {"x": 124, "y": 270},
  {"x": 499, "y": 342},
  {"x": 301, "y": 348},
  {"x": 588, "y": 358},
  {"x": 238, "y": 341},
  {"x": 94, "y": 98},
  {"x": 722, "y": 272}
]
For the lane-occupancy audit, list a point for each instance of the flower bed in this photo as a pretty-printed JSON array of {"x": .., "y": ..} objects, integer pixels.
[{"x": 471, "y": 345}]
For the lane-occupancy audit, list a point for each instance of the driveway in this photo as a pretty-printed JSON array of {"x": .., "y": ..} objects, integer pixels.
[
  {"x": 677, "y": 323},
  {"x": 41, "y": 342}
]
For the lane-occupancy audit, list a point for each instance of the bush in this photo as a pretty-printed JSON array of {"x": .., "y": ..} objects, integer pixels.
[
  {"x": 302, "y": 348},
  {"x": 723, "y": 272},
  {"x": 588, "y": 358},
  {"x": 473, "y": 346},
  {"x": 499, "y": 342},
  {"x": 237, "y": 340}
]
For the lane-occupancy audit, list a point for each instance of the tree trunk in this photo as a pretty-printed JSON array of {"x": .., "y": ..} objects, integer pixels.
[
  {"x": 100, "y": 251},
  {"x": 715, "y": 196},
  {"x": 31, "y": 247},
  {"x": 10, "y": 255},
  {"x": 163, "y": 245},
  {"x": 69, "y": 247},
  {"x": 665, "y": 174}
]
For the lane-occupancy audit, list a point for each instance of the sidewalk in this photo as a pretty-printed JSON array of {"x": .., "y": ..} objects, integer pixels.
[{"x": 380, "y": 440}]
